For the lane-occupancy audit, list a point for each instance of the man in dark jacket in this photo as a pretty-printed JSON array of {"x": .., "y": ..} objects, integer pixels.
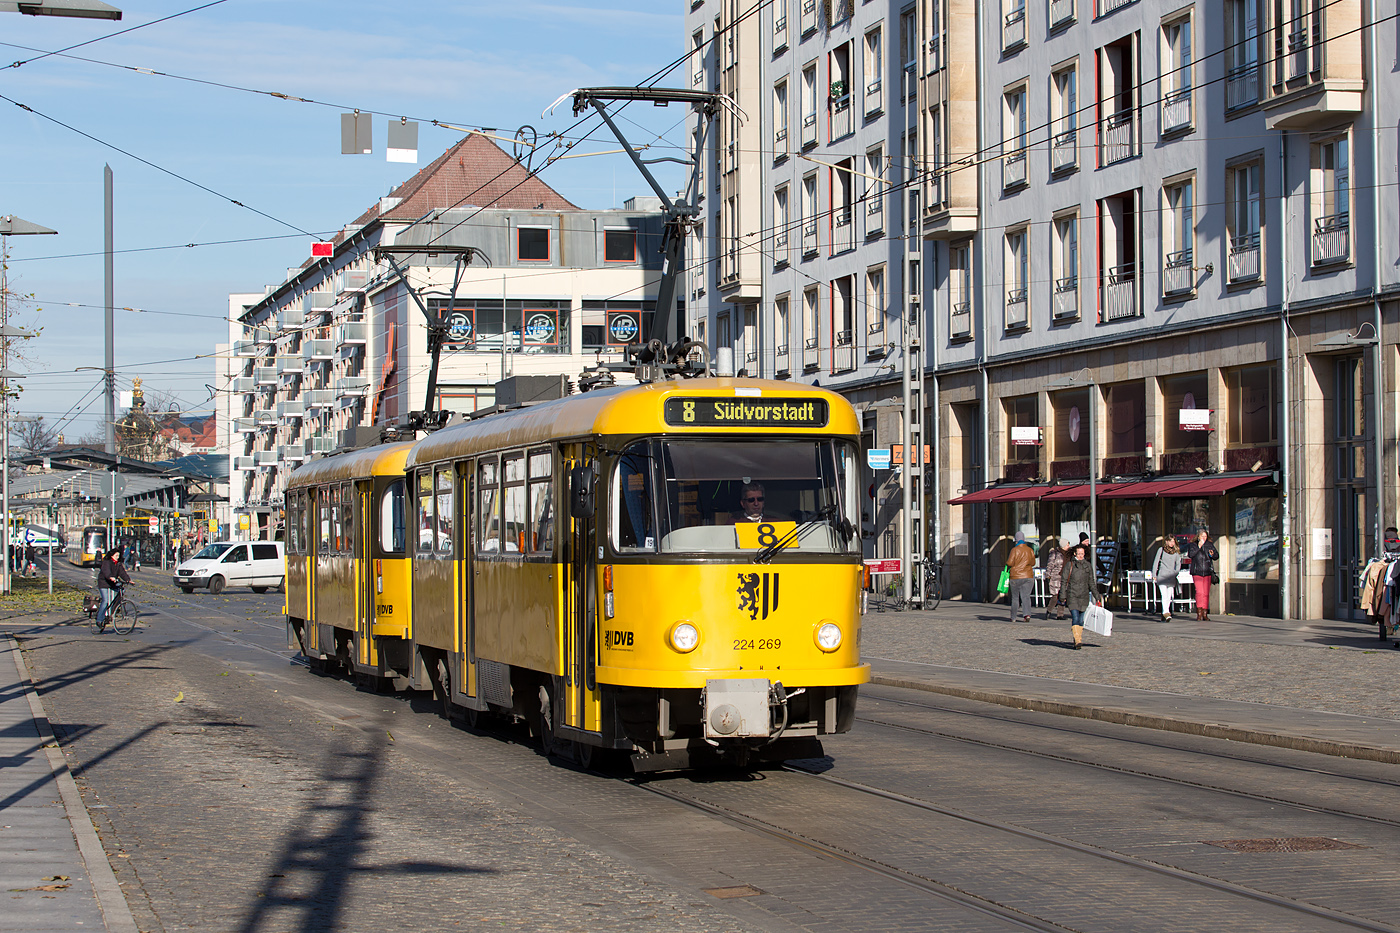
[{"x": 109, "y": 573}]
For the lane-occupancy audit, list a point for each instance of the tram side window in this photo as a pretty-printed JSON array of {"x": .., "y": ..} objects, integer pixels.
[
  {"x": 294, "y": 524},
  {"x": 514, "y": 468},
  {"x": 347, "y": 519},
  {"x": 633, "y": 517},
  {"x": 325, "y": 515},
  {"x": 425, "y": 512},
  {"x": 444, "y": 510},
  {"x": 488, "y": 507},
  {"x": 541, "y": 502},
  {"x": 391, "y": 518}
]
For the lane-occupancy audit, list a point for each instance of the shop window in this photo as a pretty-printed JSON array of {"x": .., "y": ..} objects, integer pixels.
[
  {"x": 1127, "y": 423},
  {"x": 1072, "y": 433},
  {"x": 1022, "y": 412},
  {"x": 1256, "y": 538},
  {"x": 1189, "y": 391},
  {"x": 1253, "y": 415},
  {"x": 1188, "y": 516}
]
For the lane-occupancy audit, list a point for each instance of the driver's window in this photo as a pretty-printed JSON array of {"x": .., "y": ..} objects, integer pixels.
[
  {"x": 633, "y": 523},
  {"x": 239, "y": 553}
]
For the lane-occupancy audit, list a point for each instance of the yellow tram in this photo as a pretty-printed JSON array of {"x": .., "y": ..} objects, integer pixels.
[
  {"x": 88, "y": 548},
  {"x": 670, "y": 569}
]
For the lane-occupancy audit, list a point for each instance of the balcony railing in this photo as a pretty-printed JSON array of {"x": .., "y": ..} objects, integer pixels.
[
  {"x": 1066, "y": 298},
  {"x": 243, "y": 463},
  {"x": 244, "y": 426},
  {"x": 319, "y": 398},
  {"x": 699, "y": 78},
  {"x": 809, "y": 238},
  {"x": 874, "y": 97},
  {"x": 293, "y": 408},
  {"x": 1017, "y": 308},
  {"x": 1298, "y": 48},
  {"x": 317, "y": 349},
  {"x": 292, "y": 451},
  {"x": 934, "y": 192},
  {"x": 843, "y": 356},
  {"x": 1061, "y": 12},
  {"x": 265, "y": 375},
  {"x": 290, "y": 364},
  {"x": 874, "y": 214},
  {"x": 1013, "y": 29},
  {"x": 318, "y": 445},
  {"x": 841, "y": 122},
  {"x": 1177, "y": 277},
  {"x": 844, "y": 235},
  {"x": 241, "y": 384},
  {"x": 1013, "y": 169},
  {"x": 1064, "y": 150},
  {"x": 245, "y": 348},
  {"x": 1332, "y": 238},
  {"x": 1244, "y": 258},
  {"x": 1242, "y": 86},
  {"x": 780, "y": 357},
  {"x": 265, "y": 417},
  {"x": 351, "y": 385},
  {"x": 780, "y": 141},
  {"x": 809, "y": 353},
  {"x": 351, "y": 332},
  {"x": 1116, "y": 141},
  {"x": 780, "y": 32},
  {"x": 1108, "y": 6},
  {"x": 780, "y": 248},
  {"x": 265, "y": 458},
  {"x": 809, "y": 130},
  {"x": 809, "y": 16},
  {"x": 875, "y": 327},
  {"x": 1120, "y": 292},
  {"x": 1176, "y": 110},
  {"x": 960, "y": 319},
  {"x": 290, "y": 318}
]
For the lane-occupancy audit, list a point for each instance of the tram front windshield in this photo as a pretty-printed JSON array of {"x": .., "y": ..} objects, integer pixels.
[
  {"x": 688, "y": 496},
  {"x": 94, "y": 540}
]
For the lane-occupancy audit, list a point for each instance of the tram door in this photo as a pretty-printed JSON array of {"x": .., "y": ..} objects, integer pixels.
[
  {"x": 579, "y": 565},
  {"x": 466, "y": 544},
  {"x": 361, "y": 534}
]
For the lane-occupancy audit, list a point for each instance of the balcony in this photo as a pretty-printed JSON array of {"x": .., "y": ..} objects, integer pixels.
[
  {"x": 1064, "y": 151},
  {"x": 1242, "y": 86},
  {"x": 841, "y": 122},
  {"x": 246, "y": 348},
  {"x": 351, "y": 332},
  {"x": 290, "y": 364},
  {"x": 265, "y": 418},
  {"x": 1017, "y": 309},
  {"x": 294, "y": 451},
  {"x": 1013, "y": 169},
  {"x": 1061, "y": 12},
  {"x": 244, "y": 426},
  {"x": 1244, "y": 265},
  {"x": 241, "y": 384},
  {"x": 809, "y": 130},
  {"x": 1119, "y": 288},
  {"x": 351, "y": 385},
  {"x": 318, "y": 445},
  {"x": 1177, "y": 275},
  {"x": 1331, "y": 239},
  {"x": 291, "y": 409},
  {"x": 1116, "y": 138},
  {"x": 243, "y": 463},
  {"x": 317, "y": 349},
  {"x": 809, "y": 239},
  {"x": 1066, "y": 304},
  {"x": 351, "y": 280},
  {"x": 291, "y": 319},
  {"x": 780, "y": 360},
  {"x": 843, "y": 357},
  {"x": 265, "y": 375},
  {"x": 262, "y": 336},
  {"x": 1013, "y": 29},
  {"x": 874, "y": 97},
  {"x": 318, "y": 398},
  {"x": 960, "y": 319},
  {"x": 265, "y": 458},
  {"x": 1176, "y": 111},
  {"x": 843, "y": 232}
]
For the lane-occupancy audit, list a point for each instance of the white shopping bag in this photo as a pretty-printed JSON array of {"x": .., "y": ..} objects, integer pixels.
[{"x": 1098, "y": 620}]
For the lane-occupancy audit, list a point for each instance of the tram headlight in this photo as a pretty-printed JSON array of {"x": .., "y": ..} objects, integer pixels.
[
  {"x": 828, "y": 636},
  {"x": 684, "y": 637}
]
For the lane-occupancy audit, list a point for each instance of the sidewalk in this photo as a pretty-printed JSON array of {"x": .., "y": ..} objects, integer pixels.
[
  {"x": 52, "y": 865},
  {"x": 1318, "y": 686}
]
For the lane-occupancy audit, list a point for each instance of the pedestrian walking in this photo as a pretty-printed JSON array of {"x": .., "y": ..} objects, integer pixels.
[
  {"x": 31, "y": 561},
  {"x": 1164, "y": 571},
  {"x": 1079, "y": 589},
  {"x": 1054, "y": 566},
  {"x": 109, "y": 572},
  {"x": 1203, "y": 556},
  {"x": 1020, "y": 566}
]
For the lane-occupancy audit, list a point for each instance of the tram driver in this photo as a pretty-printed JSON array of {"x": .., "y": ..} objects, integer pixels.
[{"x": 751, "y": 505}]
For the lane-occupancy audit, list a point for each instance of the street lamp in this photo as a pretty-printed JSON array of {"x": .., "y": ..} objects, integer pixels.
[
  {"x": 81, "y": 9},
  {"x": 1072, "y": 382},
  {"x": 1345, "y": 341}
]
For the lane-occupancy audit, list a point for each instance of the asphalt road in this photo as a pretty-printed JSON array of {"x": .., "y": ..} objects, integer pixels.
[{"x": 235, "y": 790}]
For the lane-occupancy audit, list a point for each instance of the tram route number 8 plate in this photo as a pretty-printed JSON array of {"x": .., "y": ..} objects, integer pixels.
[
  {"x": 748, "y": 412},
  {"x": 754, "y": 535}
]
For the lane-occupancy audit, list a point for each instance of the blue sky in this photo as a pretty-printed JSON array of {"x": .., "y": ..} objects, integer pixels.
[{"x": 468, "y": 64}]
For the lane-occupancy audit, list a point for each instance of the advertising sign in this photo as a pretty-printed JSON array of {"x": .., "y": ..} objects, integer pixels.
[
  {"x": 887, "y": 565},
  {"x": 461, "y": 329},
  {"x": 624, "y": 327},
  {"x": 1194, "y": 419},
  {"x": 541, "y": 327},
  {"x": 878, "y": 459},
  {"x": 1025, "y": 437},
  {"x": 897, "y": 454}
]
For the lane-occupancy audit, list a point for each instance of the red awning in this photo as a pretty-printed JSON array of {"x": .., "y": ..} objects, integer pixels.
[
  {"x": 1002, "y": 494},
  {"x": 1081, "y": 491},
  {"x": 972, "y": 498},
  {"x": 1174, "y": 488},
  {"x": 1213, "y": 485}
]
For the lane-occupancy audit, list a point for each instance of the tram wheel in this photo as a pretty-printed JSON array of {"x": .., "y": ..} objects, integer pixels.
[
  {"x": 542, "y": 724},
  {"x": 444, "y": 678}
]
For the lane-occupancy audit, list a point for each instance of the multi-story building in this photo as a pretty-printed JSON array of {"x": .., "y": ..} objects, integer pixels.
[
  {"x": 526, "y": 282},
  {"x": 1152, "y": 243}
]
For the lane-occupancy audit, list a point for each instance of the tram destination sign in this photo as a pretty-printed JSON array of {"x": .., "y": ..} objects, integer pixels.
[{"x": 748, "y": 412}]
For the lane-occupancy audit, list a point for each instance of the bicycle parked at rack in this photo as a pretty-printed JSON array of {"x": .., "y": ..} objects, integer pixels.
[
  {"x": 122, "y": 613},
  {"x": 890, "y": 597}
]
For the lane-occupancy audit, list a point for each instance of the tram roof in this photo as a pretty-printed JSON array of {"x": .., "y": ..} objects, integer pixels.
[
  {"x": 622, "y": 410},
  {"x": 381, "y": 460}
]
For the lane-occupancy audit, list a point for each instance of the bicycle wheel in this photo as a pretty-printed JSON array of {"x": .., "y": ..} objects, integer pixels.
[
  {"x": 123, "y": 618},
  {"x": 933, "y": 589}
]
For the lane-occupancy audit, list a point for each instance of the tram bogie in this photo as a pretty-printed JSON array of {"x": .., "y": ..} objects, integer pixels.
[{"x": 669, "y": 571}]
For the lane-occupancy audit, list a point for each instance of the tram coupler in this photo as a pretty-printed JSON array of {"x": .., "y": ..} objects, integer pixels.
[{"x": 734, "y": 709}]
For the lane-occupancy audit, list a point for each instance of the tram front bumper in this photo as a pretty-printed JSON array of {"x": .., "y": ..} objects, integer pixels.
[{"x": 737, "y": 708}]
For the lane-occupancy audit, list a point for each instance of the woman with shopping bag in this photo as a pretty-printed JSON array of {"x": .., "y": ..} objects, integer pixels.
[{"x": 1079, "y": 589}]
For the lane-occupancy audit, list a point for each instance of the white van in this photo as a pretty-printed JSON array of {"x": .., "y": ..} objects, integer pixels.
[{"x": 256, "y": 564}]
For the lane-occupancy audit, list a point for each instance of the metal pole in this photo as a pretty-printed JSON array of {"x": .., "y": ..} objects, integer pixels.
[
  {"x": 110, "y": 287},
  {"x": 1287, "y": 565},
  {"x": 1380, "y": 481},
  {"x": 5, "y": 414},
  {"x": 1093, "y": 489}
]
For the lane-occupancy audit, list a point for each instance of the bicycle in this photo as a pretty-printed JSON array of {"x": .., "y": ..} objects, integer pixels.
[{"x": 122, "y": 613}]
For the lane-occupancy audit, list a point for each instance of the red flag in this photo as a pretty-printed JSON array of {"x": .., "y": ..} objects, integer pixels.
[{"x": 322, "y": 249}]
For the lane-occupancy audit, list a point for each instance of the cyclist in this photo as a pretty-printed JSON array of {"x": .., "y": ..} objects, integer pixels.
[{"x": 110, "y": 575}]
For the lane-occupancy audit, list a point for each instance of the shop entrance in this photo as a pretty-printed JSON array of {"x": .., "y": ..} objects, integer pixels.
[{"x": 1350, "y": 509}]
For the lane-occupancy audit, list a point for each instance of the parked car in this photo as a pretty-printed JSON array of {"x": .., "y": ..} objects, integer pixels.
[{"x": 255, "y": 564}]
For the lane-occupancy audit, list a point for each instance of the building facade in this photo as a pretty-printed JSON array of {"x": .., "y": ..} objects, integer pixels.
[
  {"x": 1150, "y": 242},
  {"x": 526, "y": 283}
]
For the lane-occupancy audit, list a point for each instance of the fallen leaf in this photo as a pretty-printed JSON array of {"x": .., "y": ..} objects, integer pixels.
[
  {"x": 55, "y": 878},
  {"x": 180, "y": 697},
  {"x": 50, "y": 887},
  {"x": 389, "y": 734},
  {"x": 1205, "y": 673}
]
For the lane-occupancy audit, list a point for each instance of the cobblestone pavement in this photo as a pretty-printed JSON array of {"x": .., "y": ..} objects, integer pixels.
[{"x": 1331, "y": 666}]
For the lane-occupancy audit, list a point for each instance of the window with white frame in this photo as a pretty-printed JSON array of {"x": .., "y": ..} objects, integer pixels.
[
  {"x": 1064, "y": 114},
  {"x": 697, "y": 58},
  {"x": 1016, "y": 275},
  {"x": 1245, "y": 222},
  {"x": 1013, "y": 24},
  {"x": 1178, "y": 237},
  {"x": 809, "y": 214},
  {"x": 781, "y": 334},
  {"x": 934, "y": 21},
  {"x": 1013, "y": 137},
  {"x": 1331, "y": 201},
  {"x": 1064, "y": 272},
  {"x": 842, "y": 190},
  {"x": 935, "y": 176},
  {"x": 874, "y": 193},
  {"x": 809, "y": 16},
  {"x": 839, "y": 110},
  {"x": 780, "y": 119},
  {"x": 959, "y": 290},
  {"x": 780, "y": 30},
  {"x": 780, "y": 224},
  {"x": 909, "y": 53},
  {"x": 875, "y": 303},
  {"x": 1176, "y": 84},
  {"x": 1061, "y": 13},
  {"x": 810, "y": 327},
  {"x": 809, "y": 104},
  {"x": 874, "y": 61},
  {"x": 1241, "y": 53}
]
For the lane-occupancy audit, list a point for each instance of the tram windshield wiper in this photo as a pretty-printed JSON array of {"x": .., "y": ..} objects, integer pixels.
[{"x": 797, "y": 533}]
